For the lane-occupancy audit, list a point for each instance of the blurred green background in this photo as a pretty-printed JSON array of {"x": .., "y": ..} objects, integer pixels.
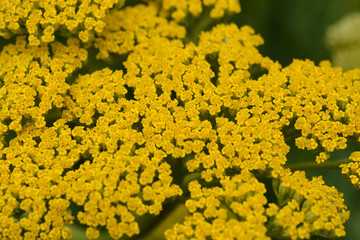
[{"x": 294, "y": 28}]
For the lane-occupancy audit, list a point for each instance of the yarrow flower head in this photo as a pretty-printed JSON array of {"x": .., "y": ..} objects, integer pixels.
[
  {"x": 33, "y": 80},
  {"x": 234, "y": 211},
  {"x": 128, "y": 117},
  {"x": 42, "y": 19},
  {"x": 306, "y": 208}
]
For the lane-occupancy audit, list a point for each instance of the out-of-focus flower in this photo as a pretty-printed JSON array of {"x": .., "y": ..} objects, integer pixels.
[{"x": 343, "y": 40}]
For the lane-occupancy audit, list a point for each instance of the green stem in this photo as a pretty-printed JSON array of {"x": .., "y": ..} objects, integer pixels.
[
  {"x": 315, "y": 165},
  {"x": 291, "y": 133},
  {"x": 189, "y": 178},
  {"x": 149, "y": 222},
  {"x": 204, "y": 22}
]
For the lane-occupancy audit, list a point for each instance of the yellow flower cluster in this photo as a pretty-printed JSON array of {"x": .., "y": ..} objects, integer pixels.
[
  {"x": 352, "y": 169},
  {"x": 41, "y": 19},
  {"x": 123, "y": 175},
  {"x": 306, "y": 208},
  {"x": 234, "y": 210},
  {"x": 109, "y": 147},
  {"x": 134, "y": 26},
  {"x": 33, "y": 80},
  {"x": 33, "y": 203},
  {"x": 325, "y": 104}
]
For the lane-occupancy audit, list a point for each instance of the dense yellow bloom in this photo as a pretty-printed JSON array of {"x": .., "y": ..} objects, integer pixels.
[
  {"x": 307, "y": 208},
  {"x": 324, "y": 101},
  {"x": 33, "y": 202},
  {"x": 33, "y": 80},
  {"x": 41, "y": 19},
  {"x": 133, "y": 26},
  {"x": 118, "y": 179},
  {"x": 235, "y": 210},
  {"x": 109, "y": 147}
]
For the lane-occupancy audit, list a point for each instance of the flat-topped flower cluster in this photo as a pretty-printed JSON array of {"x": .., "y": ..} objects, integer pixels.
[{"x": 109, "y": 142}]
